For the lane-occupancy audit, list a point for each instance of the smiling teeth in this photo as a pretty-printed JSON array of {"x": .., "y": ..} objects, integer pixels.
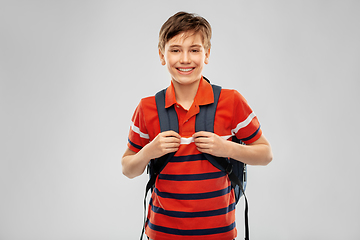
[{"x": 185, "y": 69}]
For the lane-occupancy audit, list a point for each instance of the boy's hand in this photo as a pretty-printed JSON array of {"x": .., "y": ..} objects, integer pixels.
[
  {"x": 211, "y": 143},
  {"x": 163, "y": 143}
]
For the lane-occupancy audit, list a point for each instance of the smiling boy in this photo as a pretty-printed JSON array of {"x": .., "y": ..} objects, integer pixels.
[{"x": 181, "y": 207}]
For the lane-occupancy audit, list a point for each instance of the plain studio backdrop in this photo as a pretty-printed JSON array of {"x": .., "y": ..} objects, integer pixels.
[{"x": 72, "y": 73}]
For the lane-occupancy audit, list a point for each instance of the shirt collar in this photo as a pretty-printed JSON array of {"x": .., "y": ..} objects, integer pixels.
[{"x": 204, "y": 95}]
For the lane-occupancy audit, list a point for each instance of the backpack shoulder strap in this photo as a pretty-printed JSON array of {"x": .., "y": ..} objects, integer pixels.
[
  {"x": 168, "y": 121},
  {"x": 205, "y": 122},
  {"x": 167, "y": 116},
  {"x": 206, "y": 117}
]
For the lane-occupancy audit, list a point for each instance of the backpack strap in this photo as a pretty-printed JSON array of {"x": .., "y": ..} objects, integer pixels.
[
  {"x": 205, "y": 122},
  {"x": 167, "y": 116},
  {"x": 168, "y": 121}
]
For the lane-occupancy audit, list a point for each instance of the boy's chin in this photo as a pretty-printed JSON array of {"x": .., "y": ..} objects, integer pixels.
[{"x": 186, "y": 80}]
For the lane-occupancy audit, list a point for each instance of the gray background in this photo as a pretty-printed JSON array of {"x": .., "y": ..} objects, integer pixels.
[{"x": 72, "y": 73}]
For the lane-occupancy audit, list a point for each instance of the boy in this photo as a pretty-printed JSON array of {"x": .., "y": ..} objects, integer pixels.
[{"x": 181, "y": 207}]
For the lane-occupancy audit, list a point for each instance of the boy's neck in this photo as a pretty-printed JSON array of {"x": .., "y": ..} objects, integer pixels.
[{"x": 185, "y": 94}]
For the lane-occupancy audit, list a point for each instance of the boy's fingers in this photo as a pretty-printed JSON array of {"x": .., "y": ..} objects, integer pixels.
[
  {"x": 201, "y": 134},
  {"x": 173, "y": 141},
  {"x": 171, "y": 134},
  {"x": 169, "y": 138},
  {"x": 197, "y": 134},
  {"x": 173, "y": 145},
  {"x": 202, "y": 138}
]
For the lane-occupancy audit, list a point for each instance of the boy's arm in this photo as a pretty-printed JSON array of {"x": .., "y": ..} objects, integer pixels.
[
  {"x": 134, "y": 164},
  {"x": 256, "y": 153}
]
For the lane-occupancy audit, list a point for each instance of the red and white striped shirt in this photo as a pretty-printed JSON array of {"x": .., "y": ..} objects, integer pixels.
[{"x": 192, "y": 199}]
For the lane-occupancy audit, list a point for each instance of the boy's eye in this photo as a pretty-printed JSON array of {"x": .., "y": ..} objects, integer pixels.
[
  {"x": 175, "y": 50},
  {"x": 195, "y": 50}
]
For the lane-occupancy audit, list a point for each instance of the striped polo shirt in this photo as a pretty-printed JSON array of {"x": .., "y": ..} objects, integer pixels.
[{"x": 192, "y": 199}]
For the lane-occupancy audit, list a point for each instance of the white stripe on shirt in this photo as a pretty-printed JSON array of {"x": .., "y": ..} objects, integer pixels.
[
  {"x": 189, "y": 140},
  {"x": 137, "y": 130},
  {"x": 186, "y": 141},
  {"x": 243, "y": 123}
]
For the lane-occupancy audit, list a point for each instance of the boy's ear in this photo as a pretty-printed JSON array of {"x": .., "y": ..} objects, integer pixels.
[
  {"x": 207, "y": 55},
  {"x": 162, "y": 58}
]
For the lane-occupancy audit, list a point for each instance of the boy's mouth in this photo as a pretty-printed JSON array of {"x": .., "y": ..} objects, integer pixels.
[{"x": 185, "y": 70}]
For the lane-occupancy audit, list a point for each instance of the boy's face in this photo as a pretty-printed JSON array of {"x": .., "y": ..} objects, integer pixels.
[{"x": 185, "y": 56}]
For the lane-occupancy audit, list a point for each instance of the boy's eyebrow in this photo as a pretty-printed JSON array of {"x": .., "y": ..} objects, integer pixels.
[{"x": 179, "y": 46}]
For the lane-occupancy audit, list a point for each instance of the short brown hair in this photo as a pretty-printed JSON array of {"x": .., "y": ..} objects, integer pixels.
[{"x": 183, "y": 22}]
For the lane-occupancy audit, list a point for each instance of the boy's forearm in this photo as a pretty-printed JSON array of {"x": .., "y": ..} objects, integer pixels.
[
  {"x": 134, "y": 164},
  {"x": 258, "y": 153}
]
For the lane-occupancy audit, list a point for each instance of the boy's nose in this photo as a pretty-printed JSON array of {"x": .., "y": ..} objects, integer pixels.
[{"x": 185, "y": 58}]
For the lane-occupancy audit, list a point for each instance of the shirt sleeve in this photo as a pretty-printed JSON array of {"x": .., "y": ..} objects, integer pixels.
[
  {"x": 138, "y": 134},
  {"x": 246, "y": 126}
]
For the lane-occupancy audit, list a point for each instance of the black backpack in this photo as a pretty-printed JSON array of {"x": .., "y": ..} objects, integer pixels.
[{"x": 236, "y": 170}]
